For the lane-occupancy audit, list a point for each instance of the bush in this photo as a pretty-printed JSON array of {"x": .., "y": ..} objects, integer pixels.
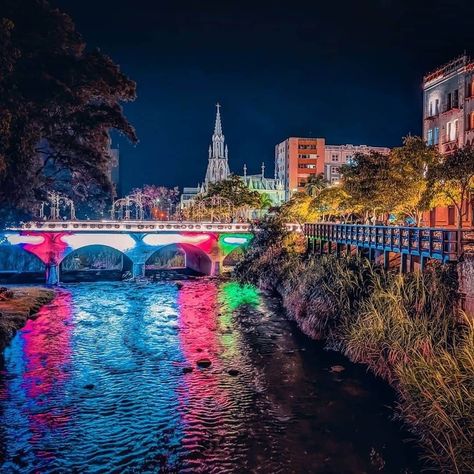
[{"x": 407, "y": 329}]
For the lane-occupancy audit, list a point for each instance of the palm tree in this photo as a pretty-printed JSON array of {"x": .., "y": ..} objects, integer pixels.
[
  {"x": 265, "y": 201},
  {"x": 315, "y": 184}
]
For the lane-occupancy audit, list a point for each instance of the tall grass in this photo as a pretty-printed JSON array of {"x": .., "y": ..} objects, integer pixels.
[{"x": 408, "y": 329}]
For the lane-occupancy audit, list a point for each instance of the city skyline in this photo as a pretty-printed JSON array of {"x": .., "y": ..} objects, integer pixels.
[{"x": 313, "y": 72}]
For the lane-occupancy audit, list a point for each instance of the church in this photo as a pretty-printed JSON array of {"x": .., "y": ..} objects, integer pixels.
[{"x": 218, "y": 170}]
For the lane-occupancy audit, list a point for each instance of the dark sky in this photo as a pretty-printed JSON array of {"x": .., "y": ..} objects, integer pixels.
[{"x": 346, "y": 70}]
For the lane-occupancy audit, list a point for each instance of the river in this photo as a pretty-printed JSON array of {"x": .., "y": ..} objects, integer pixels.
[{"x": 106, "y": 379}]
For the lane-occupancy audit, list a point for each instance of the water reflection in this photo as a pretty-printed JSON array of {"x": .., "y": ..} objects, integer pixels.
[{"x": 107, "y": 379}]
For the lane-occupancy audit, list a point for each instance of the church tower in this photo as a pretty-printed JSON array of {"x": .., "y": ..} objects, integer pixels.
[{"x": 218, "y": 166}]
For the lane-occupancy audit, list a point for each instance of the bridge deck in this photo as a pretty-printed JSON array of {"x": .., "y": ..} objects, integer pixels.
[{"x": 148, "y": 226}]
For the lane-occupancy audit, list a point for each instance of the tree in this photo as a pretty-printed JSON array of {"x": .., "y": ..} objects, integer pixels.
[
  {"x": 300, "y": 208},
  {"x": 315, "y": 184},
  {"x": 453, "y": 177},
  {"x": 237, "y": 192},
  {"x": 158, "y": 198},
  {"x": 410, "y": 168},
  {"x": 369, "y": 180},
  {"x": 333, "y": 202},
  {"x": 58, "y": 102},
  {"x": 265, "y": 201}
]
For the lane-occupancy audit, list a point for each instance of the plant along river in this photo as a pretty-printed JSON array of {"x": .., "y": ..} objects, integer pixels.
[{"x": 195, "y": 376}]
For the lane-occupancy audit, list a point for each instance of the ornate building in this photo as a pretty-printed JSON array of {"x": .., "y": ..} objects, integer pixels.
[
  {"x": 218, "y": 170},
  {"x": 218, "y": 166}
]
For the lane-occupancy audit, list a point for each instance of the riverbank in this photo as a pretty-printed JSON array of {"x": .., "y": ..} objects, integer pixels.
[
  {"x": 407, "y": 329},
  {"x": 17, "y": 305}
]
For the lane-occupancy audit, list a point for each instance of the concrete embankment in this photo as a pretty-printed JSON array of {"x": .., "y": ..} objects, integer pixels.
[{"x": 17, "y": 305}]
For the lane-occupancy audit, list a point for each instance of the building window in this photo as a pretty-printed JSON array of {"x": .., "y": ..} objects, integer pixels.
[
  {"x": 334, "y": 169},
  {"x": 436, "y": 136},
  {"x": 452, "y": 130},
  {"x": 456, "y": 98},
  {"x": 430, "y": 140},
  {"x": 335, "y": 157},
  {"x": 437, "y": 106},
  {"x": 470, "y": 121}
]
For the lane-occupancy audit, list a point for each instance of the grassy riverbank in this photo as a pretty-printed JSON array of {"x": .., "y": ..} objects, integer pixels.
[
  {"x": 407, "y": 329},
  {"x": 17, "y": 305}
]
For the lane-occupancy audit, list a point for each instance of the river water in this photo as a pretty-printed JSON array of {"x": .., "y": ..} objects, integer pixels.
[{"x": 106, "y": 379}]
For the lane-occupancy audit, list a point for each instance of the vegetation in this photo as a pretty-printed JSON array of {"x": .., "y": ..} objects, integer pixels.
[
  {"x": 407, "y": 329},
  {"x": 16, "y": 306},
  {"x": 58, "y": 102},
  {"x": 400, "y": 186}
]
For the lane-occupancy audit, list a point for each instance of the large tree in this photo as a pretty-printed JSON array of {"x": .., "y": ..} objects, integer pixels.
[
  {"x": 369, "y": 181},
  {"x": 58, "y": 102},
  {"x": 453, "y": 177},
  {"x": 411, "y": 165}
]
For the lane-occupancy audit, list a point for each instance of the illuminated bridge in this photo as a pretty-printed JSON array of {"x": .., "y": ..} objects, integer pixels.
[{"x": 204, "y": 244}]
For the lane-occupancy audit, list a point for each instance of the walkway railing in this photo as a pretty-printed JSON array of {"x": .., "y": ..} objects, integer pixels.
[{"x": 437, "y": 243}]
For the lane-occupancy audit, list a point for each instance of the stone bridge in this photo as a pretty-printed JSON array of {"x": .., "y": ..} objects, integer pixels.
[{"x": 205, "y": 244}]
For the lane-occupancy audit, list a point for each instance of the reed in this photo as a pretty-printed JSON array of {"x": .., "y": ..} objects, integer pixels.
[{"x": 407, "y": 329}]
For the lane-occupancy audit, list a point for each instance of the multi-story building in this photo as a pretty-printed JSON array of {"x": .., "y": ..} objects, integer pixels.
[
  {"x": 296, "y": 159},
  {"x": 448, "y": 105},
  {"x": 337, "y": 155},
  {"x": 448, "y": 120}
]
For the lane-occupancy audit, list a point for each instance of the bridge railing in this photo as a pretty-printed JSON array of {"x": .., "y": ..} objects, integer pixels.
[
  {"x": 439, "y": 243},
  {"x": 139, "y": 226}
]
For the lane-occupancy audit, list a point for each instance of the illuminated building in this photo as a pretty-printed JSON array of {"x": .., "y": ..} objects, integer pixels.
[
  {"x": 337, "y": 155},
  {"x": 448, "y": 105},
  {"x": 296, "y": 159},
  {"x": 448, "y": 121},
  {"x": 218, "y": 170}
]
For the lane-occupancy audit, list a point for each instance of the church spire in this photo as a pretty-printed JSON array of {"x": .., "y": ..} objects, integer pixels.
[
  {"x": 218, "y": 125},
  {"x": 218, "y": 166}
]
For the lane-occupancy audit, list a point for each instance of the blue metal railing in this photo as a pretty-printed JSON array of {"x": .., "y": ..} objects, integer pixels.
[{"x": 441, "y": 244}]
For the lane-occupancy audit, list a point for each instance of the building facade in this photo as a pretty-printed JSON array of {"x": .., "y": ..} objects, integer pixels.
[
  {"x": 448, "y": 122},
  {"x": 337, "y": 155},
  {"x": 218, "y": 170},
  {"x": 296, "y": 159},
  {"x": 448, "y": 105}
]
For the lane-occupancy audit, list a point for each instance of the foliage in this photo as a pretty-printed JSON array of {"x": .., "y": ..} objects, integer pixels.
[
  {"x": 410, "y": 164},
  {"x": 407, "y": 329},
  {"x": 334, "y": 202},
  {"x": 157, "y": 198},
  {"x": 265, "y": 201},
  {"x": 369, "y": 180},
  {"x": 300, "y": 208},
  {"x": 236, "y": 191},
  {"x": 453, "y": 177},
  {"x": 58, "y": 102},
  {"x": 315, "y": 184}
]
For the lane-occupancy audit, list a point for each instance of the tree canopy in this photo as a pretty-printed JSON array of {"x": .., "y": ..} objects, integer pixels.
[
  {"x": 236, "y": 191},
  {"x": 58, "y": 102}
]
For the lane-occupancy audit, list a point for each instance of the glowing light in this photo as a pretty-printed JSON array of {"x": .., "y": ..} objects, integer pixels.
[
  {"x": 235, "y": 240},
  {"x": 16, "y": 239},
  {"x": 122, "y": 242},
  {"x": 168, "y": 239}
]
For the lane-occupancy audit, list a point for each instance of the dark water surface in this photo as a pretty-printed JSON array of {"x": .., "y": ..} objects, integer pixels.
[{"x": 106, "y": 380}]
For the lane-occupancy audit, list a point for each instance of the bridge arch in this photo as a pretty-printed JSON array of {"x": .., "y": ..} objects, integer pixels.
[
  {"x": 98, "y": 258},
  {"x": 196, "y": 259},
  {"x": 14, "y": 259}
]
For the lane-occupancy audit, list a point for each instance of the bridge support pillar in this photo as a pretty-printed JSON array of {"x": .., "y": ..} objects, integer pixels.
[
  {"x": 138, "y": 270},
  {"x": 386, "y": 260},
  {"x": 403, "y": 262},
  {"x": 349, "y": 250},
  {"x": 52, "y": 274},
  {"x": 423, "y": 262}
]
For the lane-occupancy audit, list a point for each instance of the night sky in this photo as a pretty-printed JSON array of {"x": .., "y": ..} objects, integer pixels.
[{"x": 349, "y": 71}]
